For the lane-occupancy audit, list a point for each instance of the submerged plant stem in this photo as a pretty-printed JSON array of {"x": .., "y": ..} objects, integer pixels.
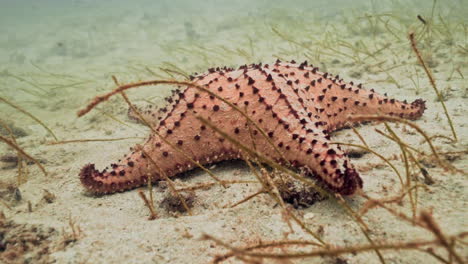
[
  {"x": 90, "y": 140},
  {"x": 28, "y": 114},
  {"x": 433, "y": 84},
  {"x": 19, "y": 150}
]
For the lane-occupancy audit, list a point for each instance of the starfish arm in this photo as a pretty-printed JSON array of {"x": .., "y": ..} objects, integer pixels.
[
  {"x": 300, "y": 136},
  {"x": 331, "y": 100},
  {"x": 182, "y": 136}
]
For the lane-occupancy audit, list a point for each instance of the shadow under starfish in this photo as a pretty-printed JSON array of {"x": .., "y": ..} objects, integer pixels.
[{"x": 295, "y": 104}]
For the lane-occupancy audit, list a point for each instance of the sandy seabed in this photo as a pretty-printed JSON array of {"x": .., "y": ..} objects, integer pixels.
[{"x": 56, "y": 57}]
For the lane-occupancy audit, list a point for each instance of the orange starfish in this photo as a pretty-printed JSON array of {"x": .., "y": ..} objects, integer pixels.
[{"x": 295, "y": 104}]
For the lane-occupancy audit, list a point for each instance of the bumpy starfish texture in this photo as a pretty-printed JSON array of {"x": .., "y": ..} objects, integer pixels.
[{"x": 295, "y": 104}]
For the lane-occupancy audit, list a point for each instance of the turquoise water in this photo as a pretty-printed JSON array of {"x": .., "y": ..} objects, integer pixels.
[{"x": 91, "y": 40}]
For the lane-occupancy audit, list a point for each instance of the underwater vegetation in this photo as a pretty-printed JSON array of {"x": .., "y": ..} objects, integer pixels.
[{"x": 409, "y": 209}]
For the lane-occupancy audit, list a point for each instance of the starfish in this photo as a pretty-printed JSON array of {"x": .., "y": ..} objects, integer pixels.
[{"x": 295, "y": 105}]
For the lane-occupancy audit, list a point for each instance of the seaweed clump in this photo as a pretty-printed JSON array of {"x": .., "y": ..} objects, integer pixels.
[
  {"x": 173, "y": 203},
  {"x": 24, "y": 243}
]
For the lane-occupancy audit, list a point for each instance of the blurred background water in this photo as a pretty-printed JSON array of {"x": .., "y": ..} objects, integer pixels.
[
  {"x": 74, "y": 31},
  {"x": 56, "y": 55}
]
